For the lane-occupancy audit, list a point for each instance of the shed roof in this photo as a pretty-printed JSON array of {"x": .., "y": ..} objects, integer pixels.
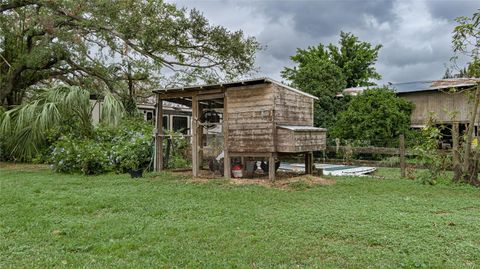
[
  {"x": 420, "y": 86},
  {"x": 238, "y": 83},
  {"x": 301, "y": 128},
  {"x": 432, "y": 85}
]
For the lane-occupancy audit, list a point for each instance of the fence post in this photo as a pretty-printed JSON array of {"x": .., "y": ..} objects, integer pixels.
[
  {"x": 403, "y": 165},
  {"x": 456, "y": 151}
]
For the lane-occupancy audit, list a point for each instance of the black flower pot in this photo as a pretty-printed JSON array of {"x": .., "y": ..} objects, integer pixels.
[{"x": 136, "y": 173}]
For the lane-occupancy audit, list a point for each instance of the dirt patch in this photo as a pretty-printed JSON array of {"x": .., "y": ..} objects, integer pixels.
[
  {"x": 442, "y": 212},
  {"x": 23, "y": 166},
  {"x": 283, "y": 180},
  {"x": 299, "y": 182},
  {"x": 468, "y": 208}
]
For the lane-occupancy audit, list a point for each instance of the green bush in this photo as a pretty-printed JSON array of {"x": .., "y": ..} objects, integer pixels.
[
  {"x": 428, "y": 156},
  {"x": 70, "y": 155},
  {"x": 179, "y": 150},
  {"x": 128, "y": 146},
  {"x": 377, "y": 115}
]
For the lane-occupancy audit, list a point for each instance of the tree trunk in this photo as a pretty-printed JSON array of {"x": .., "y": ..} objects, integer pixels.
[{"x": 468, "y": 161}]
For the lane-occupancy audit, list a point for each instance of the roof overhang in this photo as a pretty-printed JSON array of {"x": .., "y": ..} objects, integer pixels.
[{"x": 232, "y": 84}]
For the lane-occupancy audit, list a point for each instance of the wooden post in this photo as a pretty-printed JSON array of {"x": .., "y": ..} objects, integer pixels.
[
  {"x": 242, "y": 160},
  {"x": 159, "y": 135},
  {"x": 194, "y": 136},
  {"x": 403, "y": 165},
  {"x": 457, "y": 172},
  {"x": 271, "y": 167},
  {"x": 200, "y": 140},
  {"x": 308, "y": 163},
  {"x": 226, "y": 156}
]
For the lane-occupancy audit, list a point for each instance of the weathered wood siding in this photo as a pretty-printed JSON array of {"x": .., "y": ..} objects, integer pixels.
[
  {"x": 292, "y": 108},
  {"x": 439, "y": 104},
  {"x": 250, "y": 118},
  {"x": 300, "y": 141}
]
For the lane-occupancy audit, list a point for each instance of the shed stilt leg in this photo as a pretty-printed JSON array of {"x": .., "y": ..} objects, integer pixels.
[
  {"x": 227, "y": 170},
  {"x": 271, "y": 167},
  {"x": 308, "y": 163}
]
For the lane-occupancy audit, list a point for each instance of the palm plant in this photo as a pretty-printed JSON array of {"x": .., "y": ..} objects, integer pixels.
[{"x": 25, "y": 127}]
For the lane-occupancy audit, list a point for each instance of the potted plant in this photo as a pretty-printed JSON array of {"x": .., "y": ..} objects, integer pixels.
[
  {"x": 133, "y": 166},
  {"x": 135, "y": 154}
]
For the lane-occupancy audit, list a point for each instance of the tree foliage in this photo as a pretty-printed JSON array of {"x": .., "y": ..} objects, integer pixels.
[
  {"x": 63, "y": 109},
  {"x": 113, "y": 45},
  {"x": 356, "y": 59},
  {"x": 466, "y": 42},
  {"x": 376, "y": 115},
  {"x": 325, "y": 71}
]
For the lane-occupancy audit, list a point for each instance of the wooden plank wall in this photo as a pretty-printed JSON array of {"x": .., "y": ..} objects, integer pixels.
[
  {"x": 292, "y": 108},
  {"x": 250, "y": 118},
  {"x": 300, "y": 141},
  {"x": 441, "y": 104}
]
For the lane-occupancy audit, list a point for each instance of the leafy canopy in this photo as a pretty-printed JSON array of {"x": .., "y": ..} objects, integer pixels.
[
  {"x": 102, "y": 44},
  {"x": 466, "y": 42},
  {"x": 376, "y": 115},
  {"x": 356, "y": 59},
  {"x": 325, "y": 71}
]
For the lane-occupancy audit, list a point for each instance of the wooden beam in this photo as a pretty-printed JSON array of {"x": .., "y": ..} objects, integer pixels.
[
  {"x": 250, "y": 154},
  {"x": 226, "y": 153},
  {"x": 212, "y": 91},
  {"x": 173, "y": 95},
  {"x": 200, "y": 139},
  {"x": 159, "y": 135},
  {"x": 211, "y": 96},
  {"x": 195, "y": 116}
]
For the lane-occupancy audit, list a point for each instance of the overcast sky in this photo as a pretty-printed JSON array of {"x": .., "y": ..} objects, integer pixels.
[{"x": 415, "y": 34}]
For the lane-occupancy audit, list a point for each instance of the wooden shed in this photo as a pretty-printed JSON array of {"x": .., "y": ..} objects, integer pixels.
[{"x": 262, "y": 118}]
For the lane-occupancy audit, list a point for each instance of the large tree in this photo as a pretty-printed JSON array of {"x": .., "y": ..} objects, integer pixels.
[
  {"x": 113, "y": 45},
  {"x": 466, "y": 42},
  {"x": 356, "y": 59},
  {"x": 325, "y": 71}
]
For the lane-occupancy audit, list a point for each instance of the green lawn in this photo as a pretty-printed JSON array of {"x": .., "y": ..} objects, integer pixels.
[{"x": 54, "y": 220}]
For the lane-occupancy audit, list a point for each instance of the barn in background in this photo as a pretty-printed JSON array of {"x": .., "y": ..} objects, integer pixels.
[{"x": 446, "y": 101}]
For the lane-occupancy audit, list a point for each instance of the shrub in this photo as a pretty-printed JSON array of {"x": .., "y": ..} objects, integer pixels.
[
  {"x": 429, "y": 157},
  {"x": 179, "y": 150},
  {"x": 134, "y": 152},
  {"x": 128, "y": 146},
  {"x": 70, "y": 155},
  {"x": 376, "y": 115}
]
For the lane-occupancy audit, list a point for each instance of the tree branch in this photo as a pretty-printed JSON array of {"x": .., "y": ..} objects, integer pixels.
[{"x": 16, "y": 4}]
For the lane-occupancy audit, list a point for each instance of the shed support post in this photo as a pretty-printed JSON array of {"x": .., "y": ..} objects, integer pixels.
[
  {"x": 226, "y": 155},
  {"x": 271, "y": 167},
  {"x": 403, "y": 164},
  {"x": 200, "y": 139},
  {"x": 195, "y": 146},
  {"x": 308, "y": 163},
  {"x": 159, "y": 136}
]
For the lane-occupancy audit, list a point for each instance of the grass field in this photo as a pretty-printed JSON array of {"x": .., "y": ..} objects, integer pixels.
[{"x": 54, "y": 220}]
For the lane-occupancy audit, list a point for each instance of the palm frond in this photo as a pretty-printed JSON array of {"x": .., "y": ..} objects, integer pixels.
[
  {"x": 112, "y": 110},
  {"x": 25, "y": 126}
]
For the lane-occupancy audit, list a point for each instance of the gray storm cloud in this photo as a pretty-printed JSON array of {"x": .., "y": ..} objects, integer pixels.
[{"x": 415, "y": 34}]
